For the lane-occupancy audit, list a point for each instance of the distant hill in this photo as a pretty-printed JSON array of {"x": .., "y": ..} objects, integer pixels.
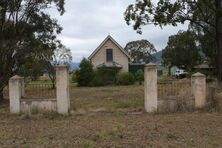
[
  {"x": 73, "y": 66},
  {"x": 157, "y": 57}
]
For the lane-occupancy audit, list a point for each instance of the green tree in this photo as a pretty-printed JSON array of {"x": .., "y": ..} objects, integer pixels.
[
  {"x": 207, "y": 14},
  {"x": 33, "y": 68},
  {"x": 139, "y": 76},
  {"x": 181, "y": 51},
  {"x": 207, "y": 44},
  {"x": 26, "y": 32},
  {"x": 141, "y": 51},
  {"x": 85, "y": 74}
]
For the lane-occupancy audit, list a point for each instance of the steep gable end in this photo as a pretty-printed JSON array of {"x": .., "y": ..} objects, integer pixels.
[{"x": 104, "y": 42}]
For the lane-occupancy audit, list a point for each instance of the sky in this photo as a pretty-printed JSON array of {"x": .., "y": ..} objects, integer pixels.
[{"x": 86, "y": 23}]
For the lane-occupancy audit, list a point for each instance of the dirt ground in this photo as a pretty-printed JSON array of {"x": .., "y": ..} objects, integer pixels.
[{"x": 110, "y": 117}]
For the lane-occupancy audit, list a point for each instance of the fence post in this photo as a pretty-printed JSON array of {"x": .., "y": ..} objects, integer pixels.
[
  {"x": 199, "y": 89},
  {"x": 150, "y": 87},
  {"x": 62, "y": 89},
  {"x": 15, "y": 94}
]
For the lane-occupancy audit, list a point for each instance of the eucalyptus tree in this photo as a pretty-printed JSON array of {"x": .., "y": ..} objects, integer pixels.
[
  {"x": 182, "y": 51},
  {"x": 27, "y": 31},
  {"x": 141, "y": 51},
  {"x": 206, "y": 14}
]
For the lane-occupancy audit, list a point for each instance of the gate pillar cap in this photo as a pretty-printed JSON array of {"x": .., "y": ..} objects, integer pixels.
[
  {"x": 62, "y": 66},
  {"x": 16, "y": 77},
  {"x": 198, "y": 74},
  {"x": 151, "y": 65}
]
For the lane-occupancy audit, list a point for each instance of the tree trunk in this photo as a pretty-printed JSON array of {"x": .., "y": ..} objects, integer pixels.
[
  {"x": 219, "y": 38},
  {"x": 1, "y": 96},
  {"x": 53, "y": 84}
]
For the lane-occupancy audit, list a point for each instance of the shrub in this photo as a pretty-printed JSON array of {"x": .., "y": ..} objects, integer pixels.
[
  {"x": 97, "y": 80},
  {"x": 85, "y": 74},
  {"x": 108, "y": 74},
  {"x": 139, "y": 76},
  {"x": 125, "y": 79},
  {"x": 74, "y": 76}
]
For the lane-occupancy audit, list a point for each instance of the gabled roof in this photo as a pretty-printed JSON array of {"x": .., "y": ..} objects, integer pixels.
[{"x": 106, "y": 39}]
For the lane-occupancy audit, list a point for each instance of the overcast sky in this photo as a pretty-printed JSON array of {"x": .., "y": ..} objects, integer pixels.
[{"x": 87, "y": 22}]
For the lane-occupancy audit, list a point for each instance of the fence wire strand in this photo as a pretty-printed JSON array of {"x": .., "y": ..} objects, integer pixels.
[
  {"x": 174, "y": 89},
  {"x": 39, "y": 91}
]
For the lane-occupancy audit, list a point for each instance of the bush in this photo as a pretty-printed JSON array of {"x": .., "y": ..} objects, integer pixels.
[
  {"x": 108, "y": 74},
  {"x": 139, "y": 76},
  {"x": 74, "y": 76},
  {"x": 97, "y": 80},
  {"x": 104, "y": 76},
  {"x": 125, "y": 79},
  {"x": 85, "y": 74}
]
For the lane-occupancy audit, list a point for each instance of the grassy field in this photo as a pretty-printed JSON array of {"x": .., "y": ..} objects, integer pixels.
[
  {"x": 110, "y": 117},
  {"x": 110, "y": 98}
]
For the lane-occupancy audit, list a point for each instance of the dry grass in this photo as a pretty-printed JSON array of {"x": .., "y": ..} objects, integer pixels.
[
  {"x": 110, "y": 117},
  {"x": 109, "y": 98}
]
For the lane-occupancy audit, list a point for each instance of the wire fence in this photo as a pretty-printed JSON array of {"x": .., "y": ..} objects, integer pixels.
[
  {"x": 174, "y": 89},
  {"x": 39, "y": 91}
]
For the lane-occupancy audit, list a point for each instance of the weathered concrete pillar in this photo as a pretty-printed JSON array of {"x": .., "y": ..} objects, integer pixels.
[
  {"x": 15, "y": 93},
  {"x": 150, "y": 87},
  {"x": 62, "y": 89},
  {"x": 199, "y": 89}
]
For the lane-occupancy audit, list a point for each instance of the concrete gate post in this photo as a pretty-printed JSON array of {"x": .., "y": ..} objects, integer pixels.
[
  {"x": 62, "y": 89},
  {"x": 15, "y": 94},
  {"x": 199, "y": 89},
  {"x": 150, "y": 87}
]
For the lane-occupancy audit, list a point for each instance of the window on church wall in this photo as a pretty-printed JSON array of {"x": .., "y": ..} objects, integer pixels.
[{"x": 109, "y": 55}]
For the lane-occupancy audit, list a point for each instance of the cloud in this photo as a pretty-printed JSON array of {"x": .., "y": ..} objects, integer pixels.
[{"x": 86, "y": 23}]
